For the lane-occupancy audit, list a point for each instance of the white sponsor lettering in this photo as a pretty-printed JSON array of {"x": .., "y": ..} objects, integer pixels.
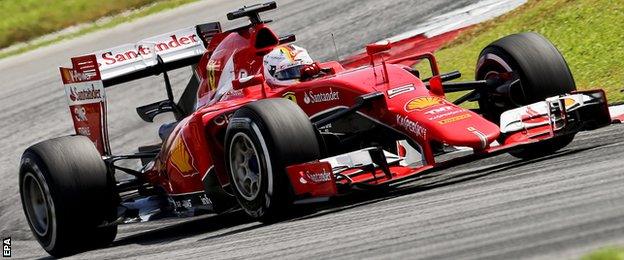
[
  {"x": 319, "y": 176},
  {"x": 311, "y": 97},
  {"x": 81, "y": 114},
  {"x": 81, "y": 93},
  {"x": 411, "y": 126},
  {"x": 79, "y": 77},
  {"x": 400, "y": 90},
  {"x": 205, "y": 200},
  {"x": 454, "y": 112},
  {"x": 325, "y": 128},
  {"x": 84, "y": 130},
  {"x": 76, "y": 94},
  {"x": 438, "y": 110}
]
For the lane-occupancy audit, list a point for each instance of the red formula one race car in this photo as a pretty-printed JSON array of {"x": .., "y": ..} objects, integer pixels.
[{"x": 261, "y": 126}]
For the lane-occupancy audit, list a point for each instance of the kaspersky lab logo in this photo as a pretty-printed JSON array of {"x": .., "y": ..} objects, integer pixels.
[{"x": 79, "y": 95}]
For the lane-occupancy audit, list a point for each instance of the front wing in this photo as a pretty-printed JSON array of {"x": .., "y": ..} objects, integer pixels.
[{"x": 520, "y": 127}]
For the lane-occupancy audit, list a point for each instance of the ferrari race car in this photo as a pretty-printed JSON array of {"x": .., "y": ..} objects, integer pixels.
[{"x": 240, "y": 141}]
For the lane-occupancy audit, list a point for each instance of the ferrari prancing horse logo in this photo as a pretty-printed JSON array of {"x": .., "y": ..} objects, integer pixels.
[
  {"x": 290, "y": 96},
  {"x": 212, "y": 79}
]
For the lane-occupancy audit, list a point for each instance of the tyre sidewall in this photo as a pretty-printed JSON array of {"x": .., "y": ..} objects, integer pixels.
[
  {"x": 246, "y": 122},
  {"x": 31, "y": 163},
  {"x": 79, "y": 192},
  {"x": 543, "y": 72}
]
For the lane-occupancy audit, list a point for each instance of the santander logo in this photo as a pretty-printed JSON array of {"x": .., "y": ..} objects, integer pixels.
[
  {"x": 162, "y": 45},
  {"x": 311, "y": 97},
  {"x": 84, "y": 94},
  {"x": 319, "y": 177}
]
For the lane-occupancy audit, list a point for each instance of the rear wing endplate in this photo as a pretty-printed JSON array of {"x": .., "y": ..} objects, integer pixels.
[
  {"x": 85, "y": 81},
  {"x": 86, "y": 98}
]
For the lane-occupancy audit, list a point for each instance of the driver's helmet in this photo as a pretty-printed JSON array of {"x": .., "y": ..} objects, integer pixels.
[{"x": 283, "y": 64}]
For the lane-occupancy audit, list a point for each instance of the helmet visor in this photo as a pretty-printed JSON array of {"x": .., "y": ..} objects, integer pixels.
[{"x": 289, "y": 73}]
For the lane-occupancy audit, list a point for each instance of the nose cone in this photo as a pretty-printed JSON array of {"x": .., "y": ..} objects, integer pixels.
[
  {"x": 456, "y": 126},
  {"x": 468, "y": 129}
]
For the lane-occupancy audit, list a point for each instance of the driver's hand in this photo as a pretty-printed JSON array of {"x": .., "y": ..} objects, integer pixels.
[{"x": 309, "y": 71}]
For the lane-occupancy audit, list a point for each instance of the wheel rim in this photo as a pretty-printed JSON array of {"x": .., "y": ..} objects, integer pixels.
[
  {"x": 493, "y": 58},
  {"x": 36, "y": 204},
  {"x": 496, "y": 65},
  {"x": 245, "y": 166}
]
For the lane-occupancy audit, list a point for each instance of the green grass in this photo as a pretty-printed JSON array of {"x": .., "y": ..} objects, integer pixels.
[
  {"x": 589, "y": 34},
  {"x": 607, "y": 253},
  {"x": 25, "y": 20}
]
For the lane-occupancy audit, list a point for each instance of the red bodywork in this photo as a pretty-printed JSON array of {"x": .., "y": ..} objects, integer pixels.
[
  {"x": 196, "y": 144},
  {"x": 418, "y": 111}
]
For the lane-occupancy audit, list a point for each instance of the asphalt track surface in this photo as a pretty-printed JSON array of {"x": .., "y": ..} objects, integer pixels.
[{"x": 561, "y": 206}]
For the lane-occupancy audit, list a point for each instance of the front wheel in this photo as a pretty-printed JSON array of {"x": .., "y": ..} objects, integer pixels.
[
  {"x": 67, "y": 195},
  {"x": 262, "y": 139},
  {"x": 542, "y": 72}
]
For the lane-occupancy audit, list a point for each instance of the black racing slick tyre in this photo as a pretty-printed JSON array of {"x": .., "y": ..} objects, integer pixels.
[
  {"x": 542, "y": 72},
  {"x": 67, "y": 195},
  {"x": 263, "y": 138}
]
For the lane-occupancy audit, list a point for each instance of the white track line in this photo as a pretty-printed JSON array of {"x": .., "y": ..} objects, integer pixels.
[{"x": 460, "y": 18}]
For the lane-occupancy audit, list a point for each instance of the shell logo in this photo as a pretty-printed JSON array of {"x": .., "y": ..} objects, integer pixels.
[
  {"x": 569, "y": 102},
  {"x": 180, "y": 157},
  {"x": 421, "y": 103}
]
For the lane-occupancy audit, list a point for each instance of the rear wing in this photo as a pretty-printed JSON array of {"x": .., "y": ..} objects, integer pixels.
[
  {"x": 177, "y": 49},
  {"x": 85, "y": 81}
]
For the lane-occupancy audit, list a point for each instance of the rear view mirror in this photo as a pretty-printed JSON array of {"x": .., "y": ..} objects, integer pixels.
[
  {"x": 378, "y": 47},
  {"x": 246, "y": 82},
  {"x": 435, "y": 86}
]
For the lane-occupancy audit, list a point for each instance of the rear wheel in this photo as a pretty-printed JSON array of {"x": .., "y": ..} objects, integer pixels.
[
  {"x": 67, "y": 195},
  {"x": 262, "y": 139},
  {"x": 542, "y": 72}
]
